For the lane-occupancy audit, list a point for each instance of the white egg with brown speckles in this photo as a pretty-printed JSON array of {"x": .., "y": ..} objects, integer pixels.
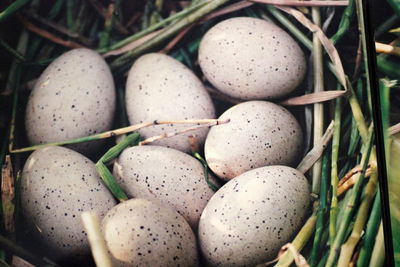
[
  {"x": 177, "y": 180},
  {"x": 250, "y": 58},
  {"x": 140, "y": 232},
  {"x": 73, "y": 97},
  {"x": 57, "y": 185},
  {"x": 161, "y": 88},
  {"x": 259, "y": 133},
  {"x": 253, "y": 215}
]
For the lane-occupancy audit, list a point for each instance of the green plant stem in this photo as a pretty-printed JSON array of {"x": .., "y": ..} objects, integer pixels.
[
  {"x": 70, "y": 13},
  {"x": 168, "y": 32},
  {"x": 11, "y": 9},
  {"x": 104, "y": 172},
  {"x": 363, "y": 37},
  {"x": 362, "y": 216},
  {"x": 323, "y": 260},
  {"x": 370, "y": 232},
  {"x": 14, "y": 82},
  {"x": 387, "y": 67},
  {"x": 357, "y": 114},
  {"x": 152, "y": 28},
  {"x": 334, "y": 170},
  {"x": 384, "y": 94},
  {"x": 318, "y": 70},
  {"x": 299, "y": 241},
  {"x": 108, "y": 25},
  {"x": 349, "y": 208},
  {"x": 56, "y": 7},
  {"x": 378, "y": 252},
  {"x": 322, "y": 208},
  {"x": 12, "y": 51},
  {"x": 395, "y": 4},
  {"x": 385, "y": 26},
  {"x": 344, "y": 22},
  {"x": 206, "y": 172}
]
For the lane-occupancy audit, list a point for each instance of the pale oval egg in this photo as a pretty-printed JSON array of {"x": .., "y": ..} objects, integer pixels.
[
  {"x": 250, "y": 58},
  {"x": 140, "y": 232},
  {"x": 161, "y": 88},
  {"x": 166, "y": 174},
  {"x": 253, "y": 215},
  {"x": 259, "y": 133},
  {"x": 57, "y": 185},
  {"x": 73, "y": 97}
]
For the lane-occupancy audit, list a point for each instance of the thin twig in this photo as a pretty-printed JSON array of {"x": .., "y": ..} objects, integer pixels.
[
  {"x": 168, "y": 32},
  {"x": 148, "y": 31},
  {"x": 45, "y": 34},
  {"x": 117, "y": 132},
  {"x": 176, "y": 39},
  {"x": 172, "y": 134},
  {"x": 60, "y": 28}
]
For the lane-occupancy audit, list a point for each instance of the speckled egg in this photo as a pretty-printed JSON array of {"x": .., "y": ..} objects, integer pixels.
[
  {"x": 252, "y": 216},
  {"x": 250, "y": 58},
  {"x": 57, "y": 185},
  {"x": 259, "y": 133},
  {"x": 73, "y": 97},
  {"x": 161, "y": 88},
  {"x": 140, "y": 232},
  {"x": 166, "y": 174}
]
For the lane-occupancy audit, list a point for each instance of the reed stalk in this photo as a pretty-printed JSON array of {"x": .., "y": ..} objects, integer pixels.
[
  {"x": 349, "y": 208},
  {"x": 334, "y": 170},
  {"x": 318, "y": 70},
  {"x": 168, "y": 32}
]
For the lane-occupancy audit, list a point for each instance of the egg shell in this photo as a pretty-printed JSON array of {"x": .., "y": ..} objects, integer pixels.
[
  {"x": 166, "y": 174},
  {"x": 250, "y": 58},
  {"x": 259, "y": 133},
  {"x": 57, "y": 185},
  {"x": 248, "y": 220},
  {"x": 73, "y": 97},
  {"x": 140, "y": 232},
  {"x": 161, "y": 88}
]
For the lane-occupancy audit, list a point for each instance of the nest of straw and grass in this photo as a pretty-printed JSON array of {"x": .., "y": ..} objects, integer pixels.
[{"x": 344, "y": 227}]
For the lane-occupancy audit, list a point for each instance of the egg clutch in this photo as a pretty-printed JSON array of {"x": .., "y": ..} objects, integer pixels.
[{"x": 173, "y": 217}]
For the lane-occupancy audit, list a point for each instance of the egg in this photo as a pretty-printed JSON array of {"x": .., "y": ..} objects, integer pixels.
[
  {"x": 161, "y": 88},
  {"x": 250, "y": 58},
  {"x": 252, "y": 216},
  {"x": 57, "y": 185},
  {"x": 140, "y": 232},
  {"x": 259, "y": 133},
  {"x": 166, "y": 174},
  {"x": 73, "y": 97}
]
